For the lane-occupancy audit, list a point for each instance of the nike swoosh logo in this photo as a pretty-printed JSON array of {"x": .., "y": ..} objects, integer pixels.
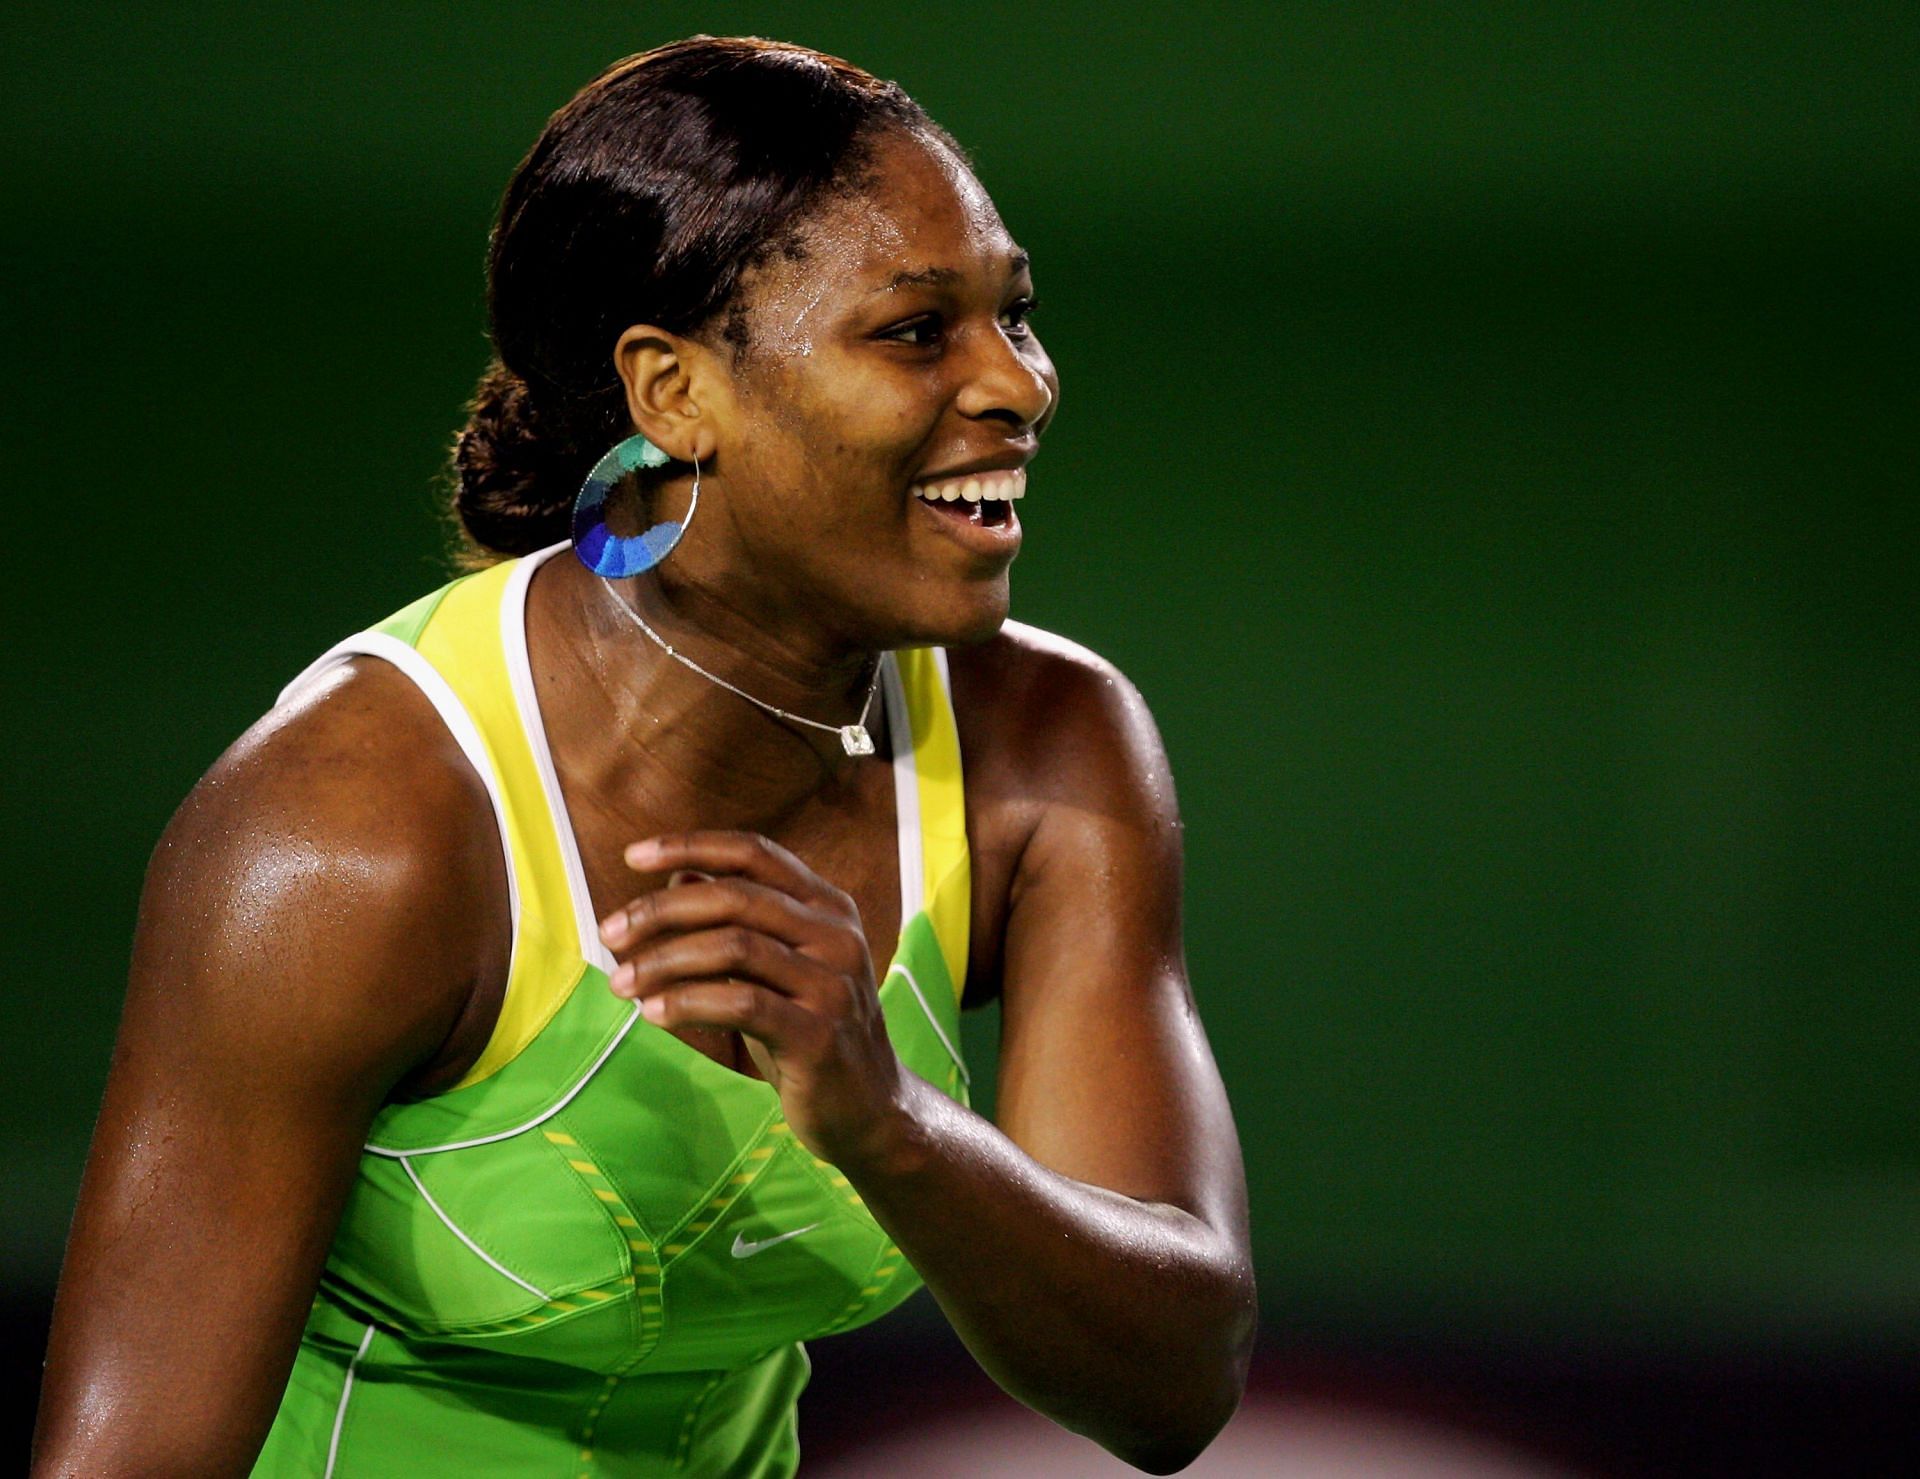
[{"x": 744, "y": 1249}]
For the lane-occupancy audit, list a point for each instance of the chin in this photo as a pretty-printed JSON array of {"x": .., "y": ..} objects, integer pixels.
[
  {"x": 979, "y": 618},
  {"x": 969, "y": 616},
  {"x": 983, "y": 629}
]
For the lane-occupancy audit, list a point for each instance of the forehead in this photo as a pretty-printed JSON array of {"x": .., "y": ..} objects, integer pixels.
[
  {"x": 916, "y": 212},
  {"x": 916, "y": 195}
]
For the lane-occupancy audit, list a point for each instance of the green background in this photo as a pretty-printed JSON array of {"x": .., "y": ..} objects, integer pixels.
[{"x": 1487, "y": 440}]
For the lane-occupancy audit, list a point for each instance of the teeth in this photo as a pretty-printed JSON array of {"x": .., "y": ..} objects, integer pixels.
[{"x": 997, "y": 486}]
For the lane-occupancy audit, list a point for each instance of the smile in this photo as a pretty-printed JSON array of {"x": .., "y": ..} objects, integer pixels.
[
  {"x": 982, "y": 500},
  {"x": 975, "y": 510},
  {"x": 975, "y": 487}
]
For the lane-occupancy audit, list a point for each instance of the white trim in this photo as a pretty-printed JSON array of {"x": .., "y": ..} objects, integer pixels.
[
  {"x": 934, "y": 1022},
  {"x": 346, "y": 1391},
  {"x": 526, "y": 695},
  {"x": 539, "y": 1119},
  {"x": 427, "y": 678},
  {"x": 485, "y": 1257},
  {"x": 906, "y": 794}
]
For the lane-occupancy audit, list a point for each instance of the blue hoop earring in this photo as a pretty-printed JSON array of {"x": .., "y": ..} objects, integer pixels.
[{"x": 608, "y": 554}]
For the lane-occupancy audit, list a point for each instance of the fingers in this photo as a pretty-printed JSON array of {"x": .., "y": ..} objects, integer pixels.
[
  {"x": 730, "y": 951},
  {"x": 739, "y": 1006},
  {"x": 745, "y": 854},
  {"x": 719, "y": 901}
]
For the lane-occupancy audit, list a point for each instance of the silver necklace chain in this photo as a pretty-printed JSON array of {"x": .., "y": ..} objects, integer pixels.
[{"x": 854, "y": 737}]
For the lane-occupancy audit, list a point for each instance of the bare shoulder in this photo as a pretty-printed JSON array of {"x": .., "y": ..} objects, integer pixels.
[
  {"x": 327, "y": 869},
  {"x": 357, "y": 760},
  {"x": 1064, "y": 768},
  {"x": 1055, "y": 721}
]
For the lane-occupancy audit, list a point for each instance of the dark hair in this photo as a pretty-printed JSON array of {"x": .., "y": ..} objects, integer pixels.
[{"x": 644, "y": 200}]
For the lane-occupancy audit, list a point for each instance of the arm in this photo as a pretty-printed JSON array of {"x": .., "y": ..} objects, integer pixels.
[
  {"x": 1092, "y": 1250},
  {"x": 1100, "y": 1269},
  {"x": 293, "y": 961}
]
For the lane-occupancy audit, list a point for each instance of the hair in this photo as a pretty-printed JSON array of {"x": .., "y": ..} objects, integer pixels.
[{"x": 646, "y": 199}]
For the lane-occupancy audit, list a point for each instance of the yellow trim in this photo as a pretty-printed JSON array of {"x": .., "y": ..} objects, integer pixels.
[
  {"x": 943, "y": 808},
  {"x": 464, "y": 643}
]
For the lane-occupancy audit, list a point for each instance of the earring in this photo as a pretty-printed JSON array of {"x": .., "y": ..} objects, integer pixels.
[{"x": 601, "y": 550}]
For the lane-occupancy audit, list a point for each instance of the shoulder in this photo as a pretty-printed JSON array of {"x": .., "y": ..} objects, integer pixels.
[
  {"x": 338, "y": 847},
  {"x": 1068, "y": 789},
  {"x": 1059, "y": 716},
  {"x": 356, "y": 770}
]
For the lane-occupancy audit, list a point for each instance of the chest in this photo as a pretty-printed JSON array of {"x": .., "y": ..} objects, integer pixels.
[
  {"x": 623, "y": 1215},
  {"x": 848, "y": 835}
]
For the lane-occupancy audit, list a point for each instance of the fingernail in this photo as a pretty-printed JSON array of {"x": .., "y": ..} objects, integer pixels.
[
  {"x": 643, "y": 853},
  {"x": 621, "y": 978},
  {"x": 612, "y": 926},
  {"x": 653, "y": 1009}
]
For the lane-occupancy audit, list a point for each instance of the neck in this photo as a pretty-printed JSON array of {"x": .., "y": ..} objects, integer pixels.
[{"x": 686, "y": 741}]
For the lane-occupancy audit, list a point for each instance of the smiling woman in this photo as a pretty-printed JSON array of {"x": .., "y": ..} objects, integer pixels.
[{"x": 546, "y": 1017}]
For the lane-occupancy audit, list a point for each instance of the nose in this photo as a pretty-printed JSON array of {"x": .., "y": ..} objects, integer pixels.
[{"x": 1008, "y": 379}]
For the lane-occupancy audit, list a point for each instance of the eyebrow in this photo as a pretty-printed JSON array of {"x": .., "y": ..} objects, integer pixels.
[{"x": 919, "y": 277}]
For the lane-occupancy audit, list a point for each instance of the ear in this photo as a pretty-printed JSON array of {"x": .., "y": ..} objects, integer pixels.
[{"x": 669, "y": 390}]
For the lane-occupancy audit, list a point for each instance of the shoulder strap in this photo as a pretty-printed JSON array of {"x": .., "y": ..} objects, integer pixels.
[{"x": 934, "y": 795}]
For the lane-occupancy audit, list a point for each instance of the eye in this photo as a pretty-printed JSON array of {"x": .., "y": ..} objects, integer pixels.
[
  {"x": 1016, "y": 315},
  {"x": 920, "y": 332}
]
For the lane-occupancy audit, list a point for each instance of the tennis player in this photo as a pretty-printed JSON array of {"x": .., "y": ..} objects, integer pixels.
[{"x": 546, "y": 1018}]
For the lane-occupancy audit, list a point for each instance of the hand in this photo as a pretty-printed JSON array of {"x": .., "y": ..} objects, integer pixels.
[{"x": 762, "y": 945}]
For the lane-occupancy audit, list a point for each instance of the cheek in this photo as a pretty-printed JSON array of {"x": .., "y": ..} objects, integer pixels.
[
  {"x": 833, "y": 442},
  {"x": 870, "y": 431}
]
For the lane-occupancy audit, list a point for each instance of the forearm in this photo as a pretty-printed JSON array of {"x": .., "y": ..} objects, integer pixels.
[{"x": 1127, "y": 1321}]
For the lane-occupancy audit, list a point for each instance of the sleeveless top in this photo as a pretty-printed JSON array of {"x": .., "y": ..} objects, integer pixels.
[{"x": 598, "y": 1253}]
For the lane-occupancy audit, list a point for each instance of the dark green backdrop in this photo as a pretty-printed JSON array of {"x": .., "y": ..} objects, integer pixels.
[{"x": 1488, "y": 441}]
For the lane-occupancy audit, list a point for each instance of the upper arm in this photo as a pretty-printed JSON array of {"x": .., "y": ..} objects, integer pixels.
[
  {"x": 293, "y": 960},
  {"x": 1105, "y": 1071}
]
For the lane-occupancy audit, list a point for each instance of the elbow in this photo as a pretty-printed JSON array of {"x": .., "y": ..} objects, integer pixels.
[
  {"x": 1172, "y": 1448},
  {"x": 1220, "y": 1349},
  {"x": 1170, "y": 1459}
]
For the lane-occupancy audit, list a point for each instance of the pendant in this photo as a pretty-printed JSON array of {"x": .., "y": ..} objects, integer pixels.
[{"x": 855, "y": 739}]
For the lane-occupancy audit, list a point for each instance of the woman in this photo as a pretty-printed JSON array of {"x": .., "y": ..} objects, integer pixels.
[{"x": 545, "y": 1018}]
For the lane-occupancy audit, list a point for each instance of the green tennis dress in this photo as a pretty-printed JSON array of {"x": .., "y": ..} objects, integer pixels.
[{"x": 599, "y": 1253}]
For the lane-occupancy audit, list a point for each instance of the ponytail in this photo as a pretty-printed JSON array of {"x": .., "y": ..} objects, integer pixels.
[{"x": 516, "y": 467}]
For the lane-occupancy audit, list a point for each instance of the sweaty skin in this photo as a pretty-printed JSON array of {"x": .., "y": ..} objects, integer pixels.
[{"x": 324, "y": 926}]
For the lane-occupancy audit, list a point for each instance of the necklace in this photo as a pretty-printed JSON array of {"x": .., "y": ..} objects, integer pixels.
[{"x": 854, "y": 738}]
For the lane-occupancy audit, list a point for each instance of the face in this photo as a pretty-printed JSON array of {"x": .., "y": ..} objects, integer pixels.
[{"x": 889, "y": 363}]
